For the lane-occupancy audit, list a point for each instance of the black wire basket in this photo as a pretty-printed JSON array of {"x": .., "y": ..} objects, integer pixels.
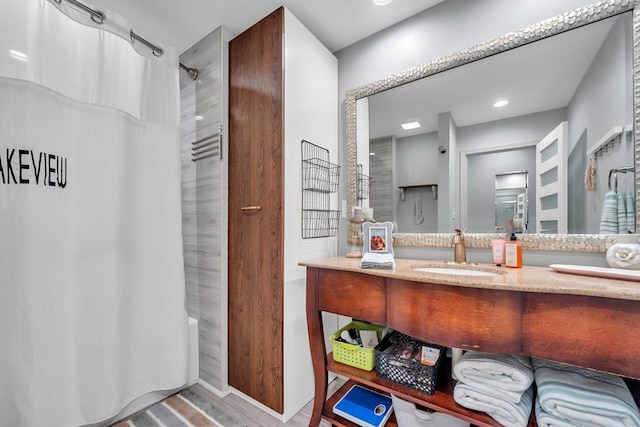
[
  {"x": 399, "y": 359},
  {"x": 319, "y": 223}
]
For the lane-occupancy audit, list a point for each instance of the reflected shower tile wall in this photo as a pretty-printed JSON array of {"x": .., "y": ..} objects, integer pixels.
[
  {"x": 202, "y": 203},
  {"x": 381, "y": 191}
]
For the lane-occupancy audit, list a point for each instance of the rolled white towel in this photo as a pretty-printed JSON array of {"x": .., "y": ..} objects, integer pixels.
[
  {"x": 507, "y": 413},
  {"x": 624, "y": 255},
  {"x": 584, "y": 397},
  {"x": 504, "y": 375}
]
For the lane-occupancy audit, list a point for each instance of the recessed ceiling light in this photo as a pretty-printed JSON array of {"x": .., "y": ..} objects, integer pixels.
[
  {"x": 18, "y": 56},
  {"x": 381, "y": 2},
  {"x": 372, "y": 154},
  {"x": 410, "y": 125},
  {"x": 500, "y": 103},
  {"x": 199, "y": 117}
]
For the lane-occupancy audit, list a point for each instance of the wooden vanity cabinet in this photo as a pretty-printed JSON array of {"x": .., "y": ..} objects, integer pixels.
[{"x": 595, "y": 332}]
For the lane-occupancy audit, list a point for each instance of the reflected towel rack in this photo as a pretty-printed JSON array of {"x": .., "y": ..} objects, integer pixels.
[
  {"x": 608, "y": 139},
  {"x": 614, "y": 172}
]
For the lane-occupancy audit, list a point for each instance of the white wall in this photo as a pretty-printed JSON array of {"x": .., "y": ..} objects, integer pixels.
[{"x": 310, "y": 98}]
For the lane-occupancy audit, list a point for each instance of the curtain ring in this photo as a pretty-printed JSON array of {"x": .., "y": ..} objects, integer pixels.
[
  {"x": 157, "y": 51},
  {"x": 97, "y": 17}
]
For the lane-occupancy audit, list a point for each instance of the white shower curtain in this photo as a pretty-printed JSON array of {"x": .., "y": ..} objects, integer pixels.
[{"x": 91, "y": 272}]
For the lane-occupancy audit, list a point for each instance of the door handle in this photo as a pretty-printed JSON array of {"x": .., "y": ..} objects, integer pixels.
[{"x": 251, "y": 208}]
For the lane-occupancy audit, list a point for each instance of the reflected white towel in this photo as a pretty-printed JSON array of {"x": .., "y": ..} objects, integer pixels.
[
  {"x": 584, "y": 397},
  {"x": 631, "y": 212},
  {"x": 623, "y": 228},
  {"x": 508, "y": 414},
  {"x": 609, "y": 218},
  {"x": 376, "y": 260},
  {"x": 503, "y": 375}
]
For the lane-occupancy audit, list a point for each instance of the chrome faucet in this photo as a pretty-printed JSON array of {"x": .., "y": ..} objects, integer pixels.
[{"x": 459, "y": 252}]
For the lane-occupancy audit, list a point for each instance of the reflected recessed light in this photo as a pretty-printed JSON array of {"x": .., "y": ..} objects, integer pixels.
[
  {"x": 199, "y": 117},
  {"x": 410, "y": 125},
  {"x": 381, "y": 2},
  {"x": 372, "y": 154},
  {"x": 500, "y": 103},
  {"x": 18, "y": 56}
]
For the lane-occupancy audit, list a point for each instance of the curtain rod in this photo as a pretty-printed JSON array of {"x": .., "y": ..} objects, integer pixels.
[{"x": 98, "y": 17}]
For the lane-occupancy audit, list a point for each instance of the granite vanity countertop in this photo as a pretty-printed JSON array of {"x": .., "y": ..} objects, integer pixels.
[{"x": 525, "y": 279}]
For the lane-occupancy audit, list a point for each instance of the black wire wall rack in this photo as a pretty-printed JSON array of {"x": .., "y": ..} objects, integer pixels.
[{"x": 320, "y": 178}]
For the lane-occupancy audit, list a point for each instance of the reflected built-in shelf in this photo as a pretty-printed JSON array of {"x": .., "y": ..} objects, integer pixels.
[{"x": 404, "y": 188}]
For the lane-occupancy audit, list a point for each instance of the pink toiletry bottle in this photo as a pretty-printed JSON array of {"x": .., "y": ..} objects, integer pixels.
[{"x": 497, "y": 250}]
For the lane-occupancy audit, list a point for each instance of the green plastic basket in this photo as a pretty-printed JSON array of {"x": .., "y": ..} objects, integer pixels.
[{"x": 353, "y": 355}]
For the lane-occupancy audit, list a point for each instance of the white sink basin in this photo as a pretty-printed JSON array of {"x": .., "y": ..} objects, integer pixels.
[{"x": 455, "y": 271}]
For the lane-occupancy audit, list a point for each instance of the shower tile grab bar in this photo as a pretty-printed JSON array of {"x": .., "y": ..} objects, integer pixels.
[{"x": 98, "y": 17}]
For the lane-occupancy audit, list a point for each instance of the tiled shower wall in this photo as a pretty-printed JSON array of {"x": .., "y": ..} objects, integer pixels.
[{"x": 204, "y": 188}]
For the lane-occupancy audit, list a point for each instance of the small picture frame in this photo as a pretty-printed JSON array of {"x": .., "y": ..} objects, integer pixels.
[{"x": 377, "y": 237}]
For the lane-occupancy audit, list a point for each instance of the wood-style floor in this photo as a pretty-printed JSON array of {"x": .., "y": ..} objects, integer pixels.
[{"x": 254, "y": 417}]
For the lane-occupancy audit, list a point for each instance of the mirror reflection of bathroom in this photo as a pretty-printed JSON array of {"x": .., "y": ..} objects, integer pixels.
[
  {"x": 593, "y": 86},
  {"x": 512, "y": 201}
]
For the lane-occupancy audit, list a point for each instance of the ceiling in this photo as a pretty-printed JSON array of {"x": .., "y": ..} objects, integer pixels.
[
  {"x": 537, "y": 77},
  {"x": 336, "y": 23},
  {"x": 340, "y": 23}
]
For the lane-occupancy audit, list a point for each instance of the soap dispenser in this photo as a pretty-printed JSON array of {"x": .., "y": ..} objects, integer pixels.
[
  {"x": 459, "y": 251},
  {"x": 513, "y": 252}
]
